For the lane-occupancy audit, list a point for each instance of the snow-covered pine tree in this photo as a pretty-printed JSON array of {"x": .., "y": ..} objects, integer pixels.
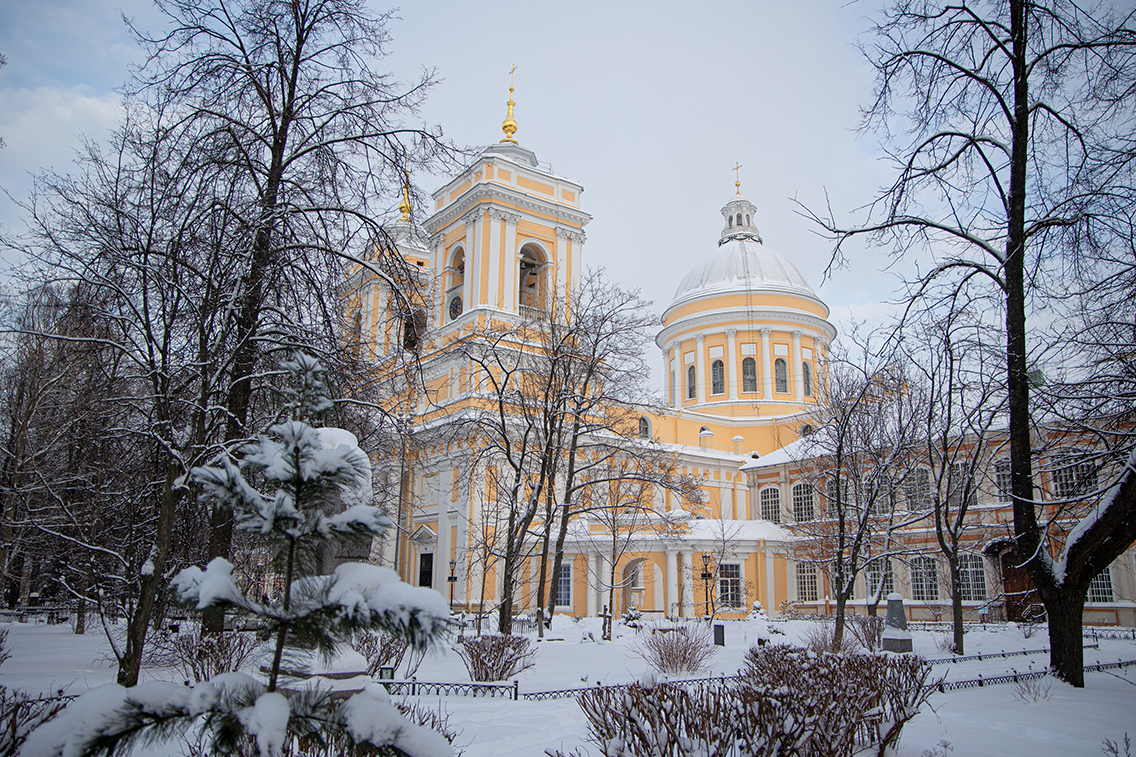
[{"x": 303, "y": 470}]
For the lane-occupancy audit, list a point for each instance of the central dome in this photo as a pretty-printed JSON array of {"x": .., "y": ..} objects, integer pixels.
[{"x": 742, "y": 264}]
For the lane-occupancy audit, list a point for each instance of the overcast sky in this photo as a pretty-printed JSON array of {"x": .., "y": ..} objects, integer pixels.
[{"x": 648, "y": 105}]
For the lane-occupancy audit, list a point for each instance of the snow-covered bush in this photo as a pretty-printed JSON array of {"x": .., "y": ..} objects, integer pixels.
[
  {"x": 5, "y": 654},
  {"x": 305, "y": 474},
  {"x": 493, "y": 657},
  {"x": 198, "y": 657},
  {"x": 867, "y": 630},
  {"x": 686, "y": 648},
  {"x": 633, "y": 618},
  {"x": 21, "y": 713},
  {"x": 650, "y": 719},
  {"x": 851, "y": 698},
  {"x": 382, "y": 650},
  {"x": 821, "y": 637}
]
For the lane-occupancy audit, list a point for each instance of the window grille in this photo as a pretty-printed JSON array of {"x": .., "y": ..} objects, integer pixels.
[
  {"x": 781, "y": 369},
  {"x": 1002, "y": 486},
  {"x": 803, "y": 510},
  {"x": 730, "y": 585},
  {"x": 917, "y": 489},
  {"x": 924, "y": 579},
  {"x": 972, "y": 578},
  {"x": 717, "y": 377},
  {"x": 807, "y": 583},
  {"x": 749, "y": 375},
  {"x": 771, "y": 504},
  {"x": 873, "y": 576},
  {"x": 564, "y": 586},
  {"x": 1100, "y": 588},
  {"x": 1074, "y": 474}
]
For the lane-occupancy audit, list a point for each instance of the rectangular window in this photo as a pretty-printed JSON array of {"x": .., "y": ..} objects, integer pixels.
[
  {"x": 426, "y": 569},
  {"x": 961, "y": 491},
  {"x": 730, "y": 585},
  {"x": 749, "y": 375},
  {"x": 972, "y": 578},
  {"x": 806, "y": 582},
  {"x": 924, "y": 579},
  {"x": 873, "y": 577},
  {"x": 1002, "y": 480},
  {"x": 1100, "y": 588},
  {"x": 803, "y": 503},
  {"x": 917, "y": 489},
  {"x": 1074, "y": 474},
  {"x": 781, "y": 374},
  {"x": 564, "y": 586}
]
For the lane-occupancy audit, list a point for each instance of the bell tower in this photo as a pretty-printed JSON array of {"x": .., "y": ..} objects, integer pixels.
[{"x": 506, "y": 234}]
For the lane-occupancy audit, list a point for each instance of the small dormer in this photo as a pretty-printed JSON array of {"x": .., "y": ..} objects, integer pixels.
[{"x": 741, "y": 221}]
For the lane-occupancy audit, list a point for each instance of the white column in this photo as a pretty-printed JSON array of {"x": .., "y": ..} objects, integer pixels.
[
  {"x": 766, "y": 367},
  {"x": 687, "y": 584},
  {"x": 770, "y": 584},
  {"x": 590, "y": 589},
  {"x": 470, "y": 264},
  {"x": 382, "y": 326},
  {"x": 732, "y": 362},
  {"x": 509, "y": 260},
  {"x": 493, "y": 257},
  {"x": 670, "y": 358},
  {"x": 604, "y": 584},
  {"x": 798, "y": 377},
  {"x": 700, "y": 376},
  {"x": 671, "y": 607}
]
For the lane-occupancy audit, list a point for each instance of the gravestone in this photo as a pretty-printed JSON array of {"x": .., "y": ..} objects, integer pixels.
[{"x": 895, "y": 637}]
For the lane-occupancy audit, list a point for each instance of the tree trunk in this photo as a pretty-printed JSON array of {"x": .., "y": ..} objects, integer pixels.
[
  {"x": 838, "y": 632},
  {"x": 1066, "y": 644},
  {"x": 956, "y": 605}
]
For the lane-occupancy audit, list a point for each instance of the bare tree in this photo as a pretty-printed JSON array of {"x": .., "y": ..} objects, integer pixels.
[
  {"x": 860, "y": 456},
  {"x": 1011, "y": 126}
]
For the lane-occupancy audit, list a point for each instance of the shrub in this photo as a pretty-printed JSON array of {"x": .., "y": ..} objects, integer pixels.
[
  {"x": 713, "y": 718},
  {"x": 382, "y": 650},
  {"x": 867, "y": 630},
  {"x": 5, "y": 654},
  {"x": 1033, "y": 689},
  {"x": 821, "y": 637},
  {"x": 946, "y": 643},
  {"x": 198, "y": 657},
  {"x": 21, "y": 713},
  {"x": 494, "y": 657},
  {"x": 686, "y": 648},
  {"x": 853, "y": 698}
]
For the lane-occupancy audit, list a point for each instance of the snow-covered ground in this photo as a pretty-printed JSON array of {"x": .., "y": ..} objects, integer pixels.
[{"x": 989, "y": 721}]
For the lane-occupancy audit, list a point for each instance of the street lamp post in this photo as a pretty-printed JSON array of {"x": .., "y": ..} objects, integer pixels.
[
  {"x": 706, "y": 576},
  {"x": 453, "y": 579}
]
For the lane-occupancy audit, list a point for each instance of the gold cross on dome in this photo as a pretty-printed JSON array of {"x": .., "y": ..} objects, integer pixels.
[
  {"x": 511, "y": 72},
  {"x": 738, "y": 177}
]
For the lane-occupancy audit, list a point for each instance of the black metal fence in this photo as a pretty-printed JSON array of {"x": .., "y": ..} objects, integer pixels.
[
  {"x": 996, "y": 655},
  {"x": 415, "y": 687},
  {"x": 1014, "y": 677}
]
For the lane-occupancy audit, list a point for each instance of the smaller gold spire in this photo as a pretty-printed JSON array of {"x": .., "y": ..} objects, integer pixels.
[
  {"x": 509, "y": 125},
  {"x": 405, "y": 207},
  {"x": 738, "y": 177}
]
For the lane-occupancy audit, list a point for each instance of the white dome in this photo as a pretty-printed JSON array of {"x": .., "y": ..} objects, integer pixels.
[{"x": 743, "y": 264}]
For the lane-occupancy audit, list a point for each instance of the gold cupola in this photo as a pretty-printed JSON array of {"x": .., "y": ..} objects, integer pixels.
[{"x": 509, "y": 125}]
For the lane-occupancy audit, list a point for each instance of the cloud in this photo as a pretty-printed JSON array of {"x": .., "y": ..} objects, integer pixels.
[{"x": 43, "y": 128}]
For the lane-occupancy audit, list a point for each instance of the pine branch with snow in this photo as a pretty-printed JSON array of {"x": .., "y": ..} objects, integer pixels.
[{"x": 306, "y": 473}]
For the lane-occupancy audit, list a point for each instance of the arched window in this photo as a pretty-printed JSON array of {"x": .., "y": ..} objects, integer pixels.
[
  {"x": 803, "y": 503},
  {"x": 717, "y": 377},
  {"x": 413, "y": 329},
  {"x": 739, "y": 219},
  {"x": 771, "y": 504},
  {"x": 747, "y": 219},
  {"x": 807, "y": 376},
  {"x": 691, "y": 386},
  {"x": 644, "y": 429},
  {"x": 731, "y": 222},
  {"x": 749, "y": 375},
  {"x": 781, "y": 371},
  {"x": 355, "y": 343},
  {"x": 531, "y": 278}
]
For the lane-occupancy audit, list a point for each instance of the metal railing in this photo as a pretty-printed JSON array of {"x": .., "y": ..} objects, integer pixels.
[
  {"x": 995, "y": 655},
  {"x": 414, "y": 688}
]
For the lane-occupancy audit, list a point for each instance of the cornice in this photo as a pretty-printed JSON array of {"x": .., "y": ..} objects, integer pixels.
[
  {"x": 483, "y": 193},
  {"x": 713, "y": 321}
]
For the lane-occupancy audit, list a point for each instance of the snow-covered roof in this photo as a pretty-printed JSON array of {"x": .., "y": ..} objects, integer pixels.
[
  {"x": 743, "y": 265},
  {"x": 790, "y": 453}
]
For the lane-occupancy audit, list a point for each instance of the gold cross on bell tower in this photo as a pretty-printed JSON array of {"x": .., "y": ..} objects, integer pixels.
[
  {"x": 738, "y": 178},
  {"x": 509, "y": 125}
]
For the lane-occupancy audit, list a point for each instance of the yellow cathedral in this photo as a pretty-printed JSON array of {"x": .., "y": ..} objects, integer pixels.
[{"x": 743, "y": 342}]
